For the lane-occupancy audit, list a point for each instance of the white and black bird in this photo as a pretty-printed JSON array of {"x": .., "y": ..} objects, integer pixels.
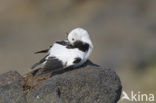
[{"x": 72, "y": 52}]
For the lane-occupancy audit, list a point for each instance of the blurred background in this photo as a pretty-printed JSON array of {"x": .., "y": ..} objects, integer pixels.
[{"x": 123, "y": 33}]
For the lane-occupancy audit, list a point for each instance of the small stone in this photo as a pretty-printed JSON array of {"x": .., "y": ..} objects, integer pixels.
[{"x": 38, "y": 97}]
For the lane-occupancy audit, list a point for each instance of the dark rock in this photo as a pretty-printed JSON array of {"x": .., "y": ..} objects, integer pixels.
[
  {"x": 10, "y": 77},
  {"x": 11, "y": 90},
  {"x": 89, "y": 84}
]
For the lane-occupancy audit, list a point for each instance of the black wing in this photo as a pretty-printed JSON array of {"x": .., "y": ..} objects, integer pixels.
[
  {"x": 52, "y": 64},
  {"x": 64, "y": 42},
  {"x": 42, "y": 51},
  {"x": 77, "y": 60},
  {"x": 38, "y": 63},
  {"x": 80, "y": 45}
]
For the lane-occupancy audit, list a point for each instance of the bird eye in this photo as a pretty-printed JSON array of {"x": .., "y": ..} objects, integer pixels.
[{"x": 73, "y": 39}]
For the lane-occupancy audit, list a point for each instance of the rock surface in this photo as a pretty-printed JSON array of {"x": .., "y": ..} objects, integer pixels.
[
  {"x": 11, "y": 89},
  {"x": 89, "y": 84}
]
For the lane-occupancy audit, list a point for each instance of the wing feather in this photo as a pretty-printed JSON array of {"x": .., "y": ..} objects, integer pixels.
[
  {"x": 52, "y": 64},
  {"x": 40, "y": 62}
]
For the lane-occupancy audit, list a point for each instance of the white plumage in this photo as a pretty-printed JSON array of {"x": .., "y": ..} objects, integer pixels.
[
  {"x": 72, "y": 52},
  {"x": 67, "y": 56}
]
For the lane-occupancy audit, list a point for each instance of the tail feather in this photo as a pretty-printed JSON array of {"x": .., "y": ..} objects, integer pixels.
[
  {"x": 42, "y": 51},
  {"x": 35, "y": 65}
]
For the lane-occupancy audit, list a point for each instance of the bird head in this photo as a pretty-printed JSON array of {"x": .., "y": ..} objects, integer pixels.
[{"x": 79, "y": 35}]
